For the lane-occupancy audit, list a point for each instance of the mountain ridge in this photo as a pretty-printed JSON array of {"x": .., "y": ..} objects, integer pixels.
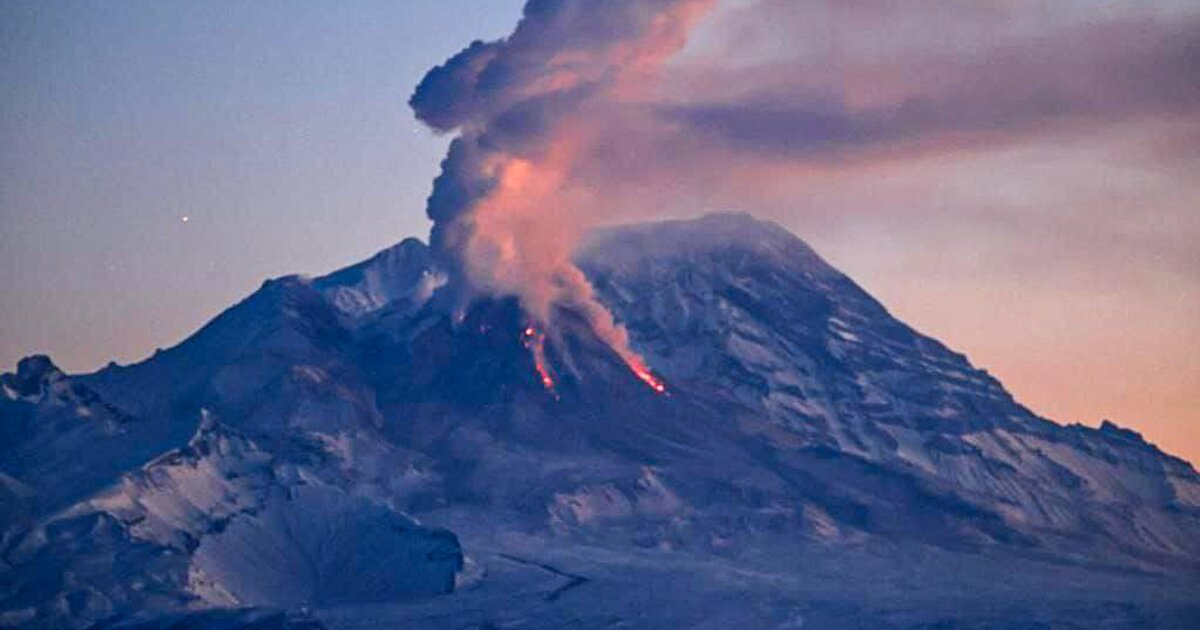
[{"x": 802, "y": 418}]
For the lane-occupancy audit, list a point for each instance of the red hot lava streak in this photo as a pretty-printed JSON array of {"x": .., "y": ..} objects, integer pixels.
[
  {"x": 646, "y": 376},
  {"x": 536, "y": 342}
]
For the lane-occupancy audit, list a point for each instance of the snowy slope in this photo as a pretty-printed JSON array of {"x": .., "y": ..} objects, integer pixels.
[
  {"x": 222, "y": 522},
  {"x": 816, "y": 461},
  {"x": 823, "y": 361}
]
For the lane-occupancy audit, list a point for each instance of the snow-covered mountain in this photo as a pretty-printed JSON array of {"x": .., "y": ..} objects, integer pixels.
[{"x": 349, "y": 447}]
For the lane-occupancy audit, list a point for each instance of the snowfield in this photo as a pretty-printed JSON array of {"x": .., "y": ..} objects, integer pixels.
[{"x": 350, "y": 452}]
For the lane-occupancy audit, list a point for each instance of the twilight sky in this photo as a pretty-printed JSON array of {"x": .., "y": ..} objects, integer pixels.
[{"x": 1020, "y": 179}]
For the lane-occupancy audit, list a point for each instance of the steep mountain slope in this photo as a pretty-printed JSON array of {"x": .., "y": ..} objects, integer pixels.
[
  {"x": 756, "y": 312},
  {"x": 814, "y": 459}
]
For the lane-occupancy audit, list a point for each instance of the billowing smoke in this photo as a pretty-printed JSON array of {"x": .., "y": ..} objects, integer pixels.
[{"x": 507, "y": 207}]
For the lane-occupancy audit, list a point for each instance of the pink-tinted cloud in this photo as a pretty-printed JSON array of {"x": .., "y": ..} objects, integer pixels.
[
  {"x": 980, "y": 146},
  {"x": 505, "y": 210},
  {"x": 1073, "y": 79}
]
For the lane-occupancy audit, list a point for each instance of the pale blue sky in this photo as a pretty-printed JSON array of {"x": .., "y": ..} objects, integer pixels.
[{"x": 280, "y": 129}]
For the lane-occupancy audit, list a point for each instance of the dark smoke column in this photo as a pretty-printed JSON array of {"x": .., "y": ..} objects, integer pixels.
[{"x": 506, "y": 208}]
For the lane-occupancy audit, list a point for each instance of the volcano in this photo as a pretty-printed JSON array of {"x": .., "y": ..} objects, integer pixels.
[{"x": 349, "y": 452}]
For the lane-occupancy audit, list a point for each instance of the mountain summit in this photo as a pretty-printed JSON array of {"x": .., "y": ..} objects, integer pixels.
[{"x": 348, "y": 447}]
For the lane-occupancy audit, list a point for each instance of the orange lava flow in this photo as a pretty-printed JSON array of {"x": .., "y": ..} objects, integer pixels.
[
  {"x": 536, "y": 342},
  {"x": 646, "y": 376},
  {"x": 539, "y": 362}
]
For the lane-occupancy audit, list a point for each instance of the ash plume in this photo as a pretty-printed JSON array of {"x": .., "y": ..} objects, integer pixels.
[{"x": 506, "y": 207}]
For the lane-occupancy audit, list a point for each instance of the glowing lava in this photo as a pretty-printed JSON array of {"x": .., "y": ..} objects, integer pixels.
[
  {"x": 536, "y": 342},
  {"x": 646, "y": 376}
]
